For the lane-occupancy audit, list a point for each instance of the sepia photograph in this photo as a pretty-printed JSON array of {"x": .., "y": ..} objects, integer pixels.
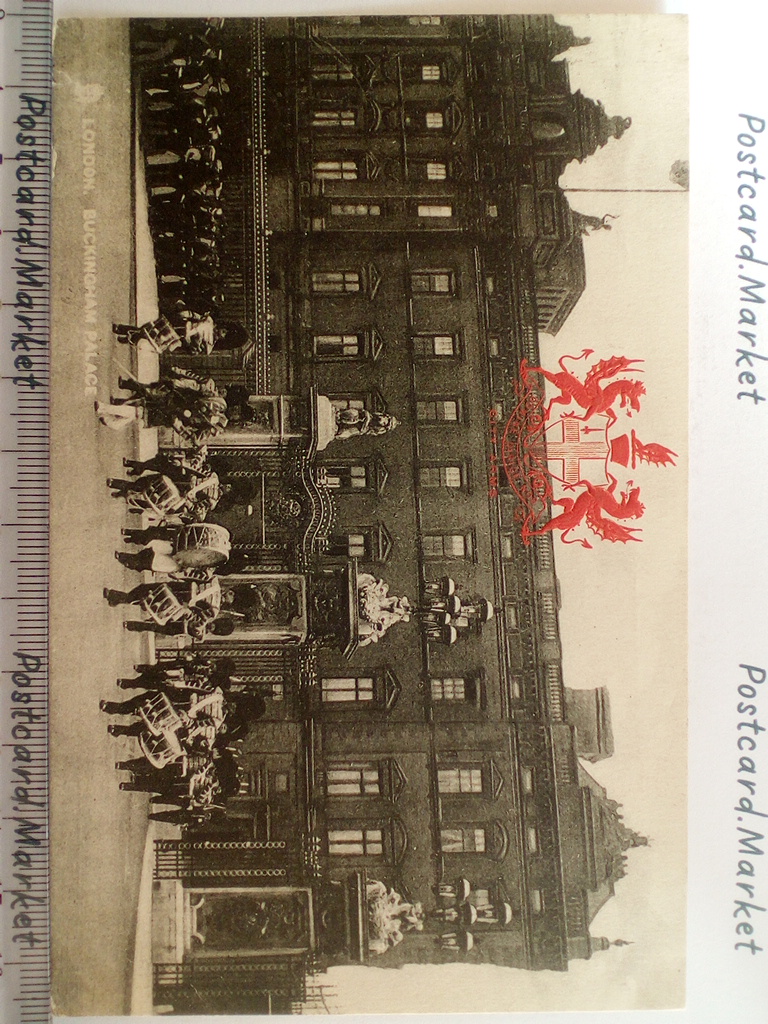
[{"x": 369, "y": 508}]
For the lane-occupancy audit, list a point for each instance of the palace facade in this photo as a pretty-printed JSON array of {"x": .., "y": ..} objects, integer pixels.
[{"x": 405, "y": 245}]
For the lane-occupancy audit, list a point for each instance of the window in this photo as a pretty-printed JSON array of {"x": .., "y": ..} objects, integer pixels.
[
  {"x": 332, "y": 71},
  {"x": 424, "y": 19},
  {"x": 350, "y": 477},
  {"x": 347, "y": 346},
  {"x": 507, "y": 546},
  {"x": 526, "y": 780},
  {"x": 535, "y": 901},
  {"x": 329, "y": 282},
  {"x": 431, "y": 169},
  {"x": 372, "y": 400},
  {"x": 338, "y": 118},
  {"x": 434, "y": 346},
  {"x": 335, "y": 170},
  {"x": 353, "y": 779},
  {"x": 351, "y": 544},
  {"x": 452, "y": 688},
  {"x": 367, "y": 344},
  {"x": 494, "y": 345},
  {"x": 460, "y": 780},
  {"x": 347, "y": 478},
  {"x": 381, "y": 690},
  {"x": 532, "y": 840},
  {"x": 430, "y": 73},
  {"x": 446, "y": 545},
  {"x": 462, "y": 840},
  {"x": 347, "y": 689},
  {"x": 355, "y": 210},
  {"x": 451, "y": 476},
  {"x": 434, "y": 119},
  {"x": 433, "y": 282},
  {"x": 370, "y": 543},
  {"x": 439, "y": 410},
  {"x": 434, "y": 210},
  {"x": 355, "y": 842}
]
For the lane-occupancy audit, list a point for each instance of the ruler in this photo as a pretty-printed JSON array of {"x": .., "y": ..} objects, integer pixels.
[{"x": 25, "y": 193}]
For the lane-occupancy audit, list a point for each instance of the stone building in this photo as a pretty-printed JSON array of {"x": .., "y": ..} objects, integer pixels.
[{"x": 410, "y": 247}]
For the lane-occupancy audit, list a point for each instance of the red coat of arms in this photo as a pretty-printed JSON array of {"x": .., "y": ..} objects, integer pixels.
[{"x": 571, "y": 457}]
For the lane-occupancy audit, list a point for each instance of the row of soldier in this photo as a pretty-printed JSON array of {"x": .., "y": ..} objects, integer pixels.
[
  {"x": 176, "y": 490},
  {"x": 183, "y": 93},
  {"x": 189, "y": 719}
]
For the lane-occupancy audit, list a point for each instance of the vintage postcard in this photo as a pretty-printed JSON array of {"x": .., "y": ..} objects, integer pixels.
[{"x": 369, "y": 514}]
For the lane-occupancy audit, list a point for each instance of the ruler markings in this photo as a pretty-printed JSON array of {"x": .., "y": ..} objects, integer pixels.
[{"x": 25, "y": 992}]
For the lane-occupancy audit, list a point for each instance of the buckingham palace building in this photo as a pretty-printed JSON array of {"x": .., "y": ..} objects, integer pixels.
[{"x": 397, "y": 244}]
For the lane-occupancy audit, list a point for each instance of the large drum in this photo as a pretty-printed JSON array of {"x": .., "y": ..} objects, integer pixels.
[
  {"x": 160, "y": 743},
  {"x": 159, "y": 495},
  {"x": 160, "y": 750},
  {"x": 159, "y": 715},
  {"x": 201, "y": 545},
  {"x": 161, "y": 335},
  {"x": 162, "y": 605}
]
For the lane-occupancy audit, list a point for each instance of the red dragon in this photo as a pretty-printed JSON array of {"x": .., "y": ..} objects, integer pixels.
[
  {"x": 594, "y": 500},
  {"x": 589, "y": 393}
]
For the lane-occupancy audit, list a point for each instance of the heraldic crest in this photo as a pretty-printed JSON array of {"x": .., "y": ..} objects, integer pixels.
[{"x": 565, "y": 452}]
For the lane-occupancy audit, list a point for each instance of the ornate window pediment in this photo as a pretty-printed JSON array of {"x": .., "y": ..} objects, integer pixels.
[
  {"x": 383, "y": 543},
  {"x": 399, "y": 837},
  {"x": 397, "y": 780},
  {"x": 499, "y": 841},
  {"x": 375, "y": 343},
  {"x": 373, "y": 279},
  {"x": 391, "y": 689},
  {"x": 373, "y": 166},
  {"x": 495, "y": 780}
]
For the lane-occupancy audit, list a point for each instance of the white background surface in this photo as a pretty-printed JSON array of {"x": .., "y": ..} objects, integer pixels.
[{"x": 729, "y": 475}]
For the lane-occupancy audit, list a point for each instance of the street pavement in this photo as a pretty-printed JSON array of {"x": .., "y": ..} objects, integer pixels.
[{"x": 98, "y": 833}]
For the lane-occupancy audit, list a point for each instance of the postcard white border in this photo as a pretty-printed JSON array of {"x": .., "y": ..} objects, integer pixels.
[{"x": 729, "y": 458}]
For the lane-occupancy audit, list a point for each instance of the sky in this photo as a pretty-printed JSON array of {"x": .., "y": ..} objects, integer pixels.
[{"x": 623, "y": 616}]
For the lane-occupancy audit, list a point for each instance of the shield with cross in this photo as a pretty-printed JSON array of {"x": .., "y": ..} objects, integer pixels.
[{"x": 578, "y": 449}]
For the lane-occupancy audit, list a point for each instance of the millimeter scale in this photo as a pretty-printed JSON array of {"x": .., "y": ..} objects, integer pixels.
[{"x": 25, "y": 291}]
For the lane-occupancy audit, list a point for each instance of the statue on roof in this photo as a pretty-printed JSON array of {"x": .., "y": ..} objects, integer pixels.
[
  {"x": 586, "y": 223},
  {"x": 611, "y": 127}
]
